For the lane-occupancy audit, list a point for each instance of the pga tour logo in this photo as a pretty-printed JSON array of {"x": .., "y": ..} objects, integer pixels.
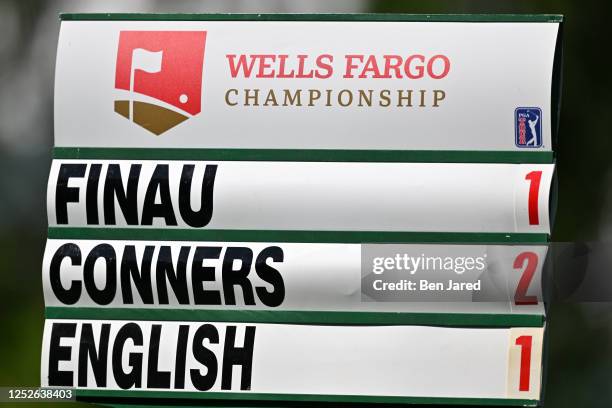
[
  {"x": 158, "y": 77},
  {"x": 528, "y": 127}
]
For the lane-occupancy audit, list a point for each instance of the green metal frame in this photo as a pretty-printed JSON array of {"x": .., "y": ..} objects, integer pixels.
[
  {"x": 477, "y": 18},
  {"x": 347, "y": 237},
  {"x": 307, "y": 155},
  {"x": 481, "y": 320},
  {"x": 246, "y": 397}
]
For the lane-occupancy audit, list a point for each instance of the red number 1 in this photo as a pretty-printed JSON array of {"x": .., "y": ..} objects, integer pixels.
[
  {"x": 525, "y": 343},
  {"x": 534, "y": 178}
]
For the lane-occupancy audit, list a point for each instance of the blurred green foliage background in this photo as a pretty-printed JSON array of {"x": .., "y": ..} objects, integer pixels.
[{"x": 580, "y": 336}]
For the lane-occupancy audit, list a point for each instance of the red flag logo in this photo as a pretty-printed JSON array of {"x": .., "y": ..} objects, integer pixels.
[{"x": 160, "y": 76}]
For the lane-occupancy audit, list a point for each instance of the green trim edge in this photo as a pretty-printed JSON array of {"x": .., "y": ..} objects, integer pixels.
[
  {"x": 480, "y": 18},
  {"x": 500, "y": 320},
  {"x": 309, "y": 155},
  {"x": 248, "y": 396},
  {"x": 348, "y": 237}
]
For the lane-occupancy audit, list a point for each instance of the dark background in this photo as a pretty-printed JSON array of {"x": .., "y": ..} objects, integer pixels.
[{"x": 579, "y": 370}]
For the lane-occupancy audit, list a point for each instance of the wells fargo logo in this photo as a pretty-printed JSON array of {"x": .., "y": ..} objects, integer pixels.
[
  {"x": 159, "y": 74},
  {"x": 416, "y": 75}
]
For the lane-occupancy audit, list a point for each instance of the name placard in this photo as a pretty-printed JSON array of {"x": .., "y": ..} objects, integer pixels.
[
  {"x": 301, "y": 196},
  {"x": 292, "y": 362},
  {"x": 287, "y": 282}
]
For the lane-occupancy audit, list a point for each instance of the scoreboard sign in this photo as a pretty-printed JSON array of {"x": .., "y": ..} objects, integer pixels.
[{"x": 231, "y": 196}]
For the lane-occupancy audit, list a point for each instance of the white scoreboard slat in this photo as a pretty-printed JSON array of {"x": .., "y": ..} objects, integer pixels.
[
  {"x": 429, "y": 197},
  {"x": 289, "y": 276},
  {"x": 293, "y": 361}
]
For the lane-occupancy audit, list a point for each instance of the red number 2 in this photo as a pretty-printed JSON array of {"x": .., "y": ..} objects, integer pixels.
[
  {"x": 534, "y": 178},
  {"x": 520, "y": 296},
  {"x": 525, "y": 343}
]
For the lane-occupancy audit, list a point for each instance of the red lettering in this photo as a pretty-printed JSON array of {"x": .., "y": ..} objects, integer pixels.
[
  {"x": 265, "y": 65},
  {"x": 445, "y": 66},
  {"x": 419, "y": 69},
  {"x": 281, "y": 67},
  {"x": 371, "y": 66},
  {"x": 395, "y": 66},
  {"x": 301, "y": 73},
  {"x": 324, "y": 66},
  {"x": 241, "y": 66},
  {"x": 350, "y": 66},
  {"x": 414, "y": 66}
]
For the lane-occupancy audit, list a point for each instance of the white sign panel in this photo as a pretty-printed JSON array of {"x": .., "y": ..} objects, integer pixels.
[
  {"x": 306, "y": 85},
  {"x": 430, "y": 197},
  {"x": 293, "y": 360},
  {"x": 293, "y": 276}
]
